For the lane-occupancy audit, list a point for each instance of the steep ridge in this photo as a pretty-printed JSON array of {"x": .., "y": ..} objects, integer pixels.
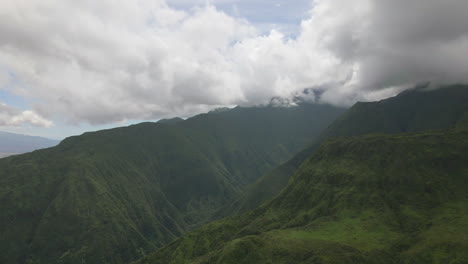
[
  {"x": 414, "y": 110},
  {"x": 112, "y": 195},
  {"x": 370, "y": 199}
]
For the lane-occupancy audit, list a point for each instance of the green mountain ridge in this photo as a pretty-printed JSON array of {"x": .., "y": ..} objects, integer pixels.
[
  {"x": 414, "y": 110},
  {"x": 368, "y": 199},
  {"x": 112, "y": 195},
  {"x": 116, "y": 195},
  {"x": 411, "y": 111},
  {"x": 388, "y": 197}
]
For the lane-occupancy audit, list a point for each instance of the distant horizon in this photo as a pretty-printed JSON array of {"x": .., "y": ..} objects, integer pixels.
[
  {"x": 80, "y": 129},
  {"x": 135, "y": 122}
]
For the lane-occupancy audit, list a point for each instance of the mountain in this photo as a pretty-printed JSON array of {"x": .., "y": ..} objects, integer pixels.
[
  {"x": 370, "y": 199},
  {"x": 15, "y": 144},
  {"x": 414, "y": 110},
  {"x": 411, "y": 111},
  {"x": 112, "y": 195},
  {"x": 174, "y": 120}
]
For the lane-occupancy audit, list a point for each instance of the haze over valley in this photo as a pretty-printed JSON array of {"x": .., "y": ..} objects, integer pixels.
[{"x": 11, "y": 144}]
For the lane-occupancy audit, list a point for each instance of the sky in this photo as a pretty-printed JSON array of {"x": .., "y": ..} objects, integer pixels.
[{"x": 68, "y": 66}]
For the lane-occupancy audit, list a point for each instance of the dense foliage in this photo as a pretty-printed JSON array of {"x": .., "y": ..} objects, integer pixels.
[
  {"x": 366, "y": 190},
  {"x": 411, "y": 111},
  {"x": 369, "y": 199},
  {"x": 113, "y": 195}
]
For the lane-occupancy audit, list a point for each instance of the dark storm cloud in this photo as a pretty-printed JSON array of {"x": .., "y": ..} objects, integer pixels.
[{"x": 397, "y": 43}]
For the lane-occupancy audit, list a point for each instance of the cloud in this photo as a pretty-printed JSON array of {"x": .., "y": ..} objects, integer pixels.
[
  {"x": 10, "y": 116},
  {"x": 108, "y": 61},
  {"x": 396, "y": 43}
]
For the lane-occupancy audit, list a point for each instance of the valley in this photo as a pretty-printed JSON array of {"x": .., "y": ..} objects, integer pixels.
[{"x": 301, "y": 184}]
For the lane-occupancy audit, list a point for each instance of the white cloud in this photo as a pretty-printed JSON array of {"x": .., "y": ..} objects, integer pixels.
[
  {"x": 107, "y": 61},
  {"x": 10, "y": 116}
]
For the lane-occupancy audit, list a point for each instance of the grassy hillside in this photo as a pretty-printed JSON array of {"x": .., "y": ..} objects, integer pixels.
[
  {"x": 369, "y": 199},
  {"x": 412, "y": 111},
  {"x": 110, "y": 196}
]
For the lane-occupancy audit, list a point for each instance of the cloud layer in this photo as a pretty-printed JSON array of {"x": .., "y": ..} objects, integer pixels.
[
  {"x": 10, "y": 116},
  {"x": 107, "y": 61}
]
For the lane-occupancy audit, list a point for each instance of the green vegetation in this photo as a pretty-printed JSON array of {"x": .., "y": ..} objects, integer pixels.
[
  {"x": 369, "y": 199},
  {"x": 411, "y": 111},
  {"x": 367, "y": 190},
  {"x": 113, "y": 196}
]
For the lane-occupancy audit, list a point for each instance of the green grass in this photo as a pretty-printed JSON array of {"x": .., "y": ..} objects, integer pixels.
[
  {"x": 364, "y": 231},
  {"x": 446, "y": 239}
]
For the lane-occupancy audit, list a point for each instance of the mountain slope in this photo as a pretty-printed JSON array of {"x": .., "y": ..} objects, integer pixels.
[
  {"x": 110, "y": 196},
  {"x": 15, "y": 143},
  {"x": 370, "y": 199},
  {"x": 412, "y": 111}
]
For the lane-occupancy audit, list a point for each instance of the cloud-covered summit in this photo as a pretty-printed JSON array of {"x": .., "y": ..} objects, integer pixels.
[{"x": 107, "y": 61}]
